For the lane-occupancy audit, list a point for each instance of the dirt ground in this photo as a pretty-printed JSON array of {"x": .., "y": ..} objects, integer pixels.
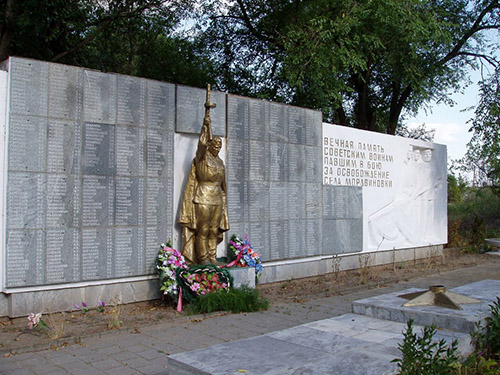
[{"x": 71, "y": 327}]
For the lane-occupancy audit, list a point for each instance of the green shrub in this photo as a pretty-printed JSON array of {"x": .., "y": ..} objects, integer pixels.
[
  {"x": 423, "y": 356},
  {"x": 236, "y": 300},
  {"x": 473, "y": 218}
]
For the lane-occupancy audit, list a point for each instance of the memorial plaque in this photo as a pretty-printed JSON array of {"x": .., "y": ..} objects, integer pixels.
[
  {"x": 278, "y": 164},
  {"x": 98, "y": 149},
  {"x": 237, "y": 112},
  {"x": 313, "y": 127},
  {"x": 297, "y": 163},
  {"x": 237, "y": 202},
  {"x": 258, "y": 120},
  {"x": 97, "y": 201},
  {"x": 314, "y": 201},
  {"x": 28, "y": 87},
  {"x": 238, "y": 160},
  {"x": 130, "y": 151},
  {"x": 161, "y": 105},
  {"x": 63, "y": 249},
  {"x": 64, "y": 146},
  {"x": 258, "y": 161},
  {"x": 314, "y": 237},
  {"x": 279, "y": 239},
  {"x": 99, "y": 99},
  {"x": 65, "y": 92},
  {"x": 259, "y": 237},
  {"x": 258, "y": 201},
  {"x": 296, "y": 200},
  {"x": 191, "y": 110},
  {"x": 278, "y": 201},
  {"x": 97, "y": 253},
  {"x": 129, "y": 246},
  {"x": 278, "y": 123},
  {"x": 63, "y": 201},
  {"x": 27, "y": 143},
  {"x": 314, "y": 164},
  {"x": 131, "y": 101},
  {"x": 159, "y": 203},
  {"x": 296, "y": 125},
  {"x": 129, "y": 201},
  {"x": 25, "y": 258},
  {"x": 26, "y": 200},
  {"x": 159, "y": 156},
  {"x": 297, "y": 239}
]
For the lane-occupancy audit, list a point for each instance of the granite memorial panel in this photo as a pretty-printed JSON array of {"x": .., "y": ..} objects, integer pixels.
[
  {"x": 26, "y": 200},
  {"x": 161, "y": 105},
  {"x": 65, "y": 92},
  {"x": 191, "y": 110},
  {"x": 238, "y": 117},
  {"x": 99, "y": 99},
  {"x": 25, "y": 257},
  {"x": 131, "y": 101},
  {"x": 98, "y": 156},
  {"x": 63, "y": 201},
  {"x": 63, "y": 255},
  {"x": 28, "y": 87},
  {"x": 64, "y": 146},
  {"x": 27, "y": 143},
  {"x": 258, "y": 120},
  {"x": 129, "y": 151},
  {"x": 97, "y": 253}
]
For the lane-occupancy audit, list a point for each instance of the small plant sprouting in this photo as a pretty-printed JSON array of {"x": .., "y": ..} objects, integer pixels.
[{"x": 100, "y": 306}]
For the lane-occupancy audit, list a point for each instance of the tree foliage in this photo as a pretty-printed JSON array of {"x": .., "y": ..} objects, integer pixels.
[
  {"x": 483, "y": 150},
  {"x": 135, "y": 37},
  {"x": 364, "y": 63}
]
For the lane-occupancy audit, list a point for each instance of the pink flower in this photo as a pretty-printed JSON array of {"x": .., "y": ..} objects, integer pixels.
[{"x": 33, "y": 320}]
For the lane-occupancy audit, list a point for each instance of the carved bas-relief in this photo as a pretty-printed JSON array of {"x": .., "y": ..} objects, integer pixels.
[{"x": 410, "y": 217}]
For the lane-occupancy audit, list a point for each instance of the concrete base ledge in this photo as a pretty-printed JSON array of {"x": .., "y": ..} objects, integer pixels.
[
  {"x": 23, "y": 302},
  {"x": 315, "y": 266}
]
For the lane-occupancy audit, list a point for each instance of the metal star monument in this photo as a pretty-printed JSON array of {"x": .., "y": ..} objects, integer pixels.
[{"x": 437, "y": 295}]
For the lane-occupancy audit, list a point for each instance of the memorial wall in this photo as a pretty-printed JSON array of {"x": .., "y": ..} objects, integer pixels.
[{"x": 95, "y": 164}]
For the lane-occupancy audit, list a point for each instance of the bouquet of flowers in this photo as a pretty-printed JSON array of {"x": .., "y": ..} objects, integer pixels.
[
  {"x": 243, "y": 255},
  {"x": 200, "y": 280},
  {"x": 168, "y": 264}
]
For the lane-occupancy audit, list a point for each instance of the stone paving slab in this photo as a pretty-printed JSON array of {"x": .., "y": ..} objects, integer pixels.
[
  {"x": 389, "y": 307},
  {"x": 348, "y": 344}
]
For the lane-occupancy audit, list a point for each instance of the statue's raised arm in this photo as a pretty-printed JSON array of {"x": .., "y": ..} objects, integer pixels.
[
  {"x": 203, "y": 212},
  {"x": 206, "y": 129}
]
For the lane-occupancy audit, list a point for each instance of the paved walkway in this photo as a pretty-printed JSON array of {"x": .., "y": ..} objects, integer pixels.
[{"x": 145, "y": 352}]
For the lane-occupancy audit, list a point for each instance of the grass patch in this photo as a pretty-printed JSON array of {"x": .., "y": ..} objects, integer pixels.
[{"x": 236, "y": 300}]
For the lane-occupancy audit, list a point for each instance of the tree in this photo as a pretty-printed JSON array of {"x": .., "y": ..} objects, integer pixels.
[
  {"x": 364, "y": 63},
  {"x": 483, "y": 150}
]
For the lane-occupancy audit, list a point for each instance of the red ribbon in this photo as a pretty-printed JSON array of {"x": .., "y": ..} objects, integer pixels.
[
  {"x": 179, "y": 300},
  {"x": 234, "y": 262}
]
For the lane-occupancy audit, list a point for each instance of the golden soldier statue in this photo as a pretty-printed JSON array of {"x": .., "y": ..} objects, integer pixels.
[{"x": 203, "y": 212}]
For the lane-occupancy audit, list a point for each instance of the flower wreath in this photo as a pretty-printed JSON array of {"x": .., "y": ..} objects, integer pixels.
[
  {"x": 243, "y": 255},
  {"x": 168, "y": 263},
  {"x": 200, "y": 280}
]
